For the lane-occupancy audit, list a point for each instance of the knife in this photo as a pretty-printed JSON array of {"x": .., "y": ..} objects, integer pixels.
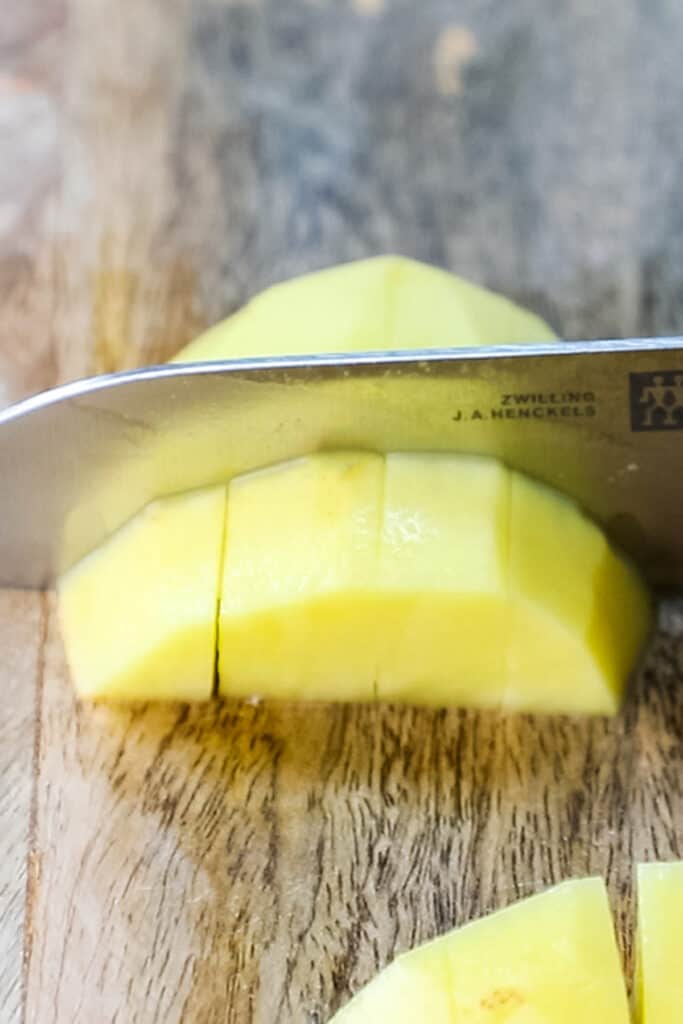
[{"x": 601, "y": 421}]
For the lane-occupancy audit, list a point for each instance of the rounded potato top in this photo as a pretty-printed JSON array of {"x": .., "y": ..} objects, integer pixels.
[{"x": 383, "y": 303}]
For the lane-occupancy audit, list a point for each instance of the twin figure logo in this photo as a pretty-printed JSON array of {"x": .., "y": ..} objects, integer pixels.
[{"x": 657, "y": 401}]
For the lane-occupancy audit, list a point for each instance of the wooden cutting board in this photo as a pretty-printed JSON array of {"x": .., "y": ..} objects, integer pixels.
[{"x": 160, "y": 160}]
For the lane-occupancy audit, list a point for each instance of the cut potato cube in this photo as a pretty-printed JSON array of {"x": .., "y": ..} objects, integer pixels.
[
  {"x": 138, "y": 615},
  {"x": 550, "y": 959},
  {"x": 579, "y": 613},
  {"x": 300, "y": 570},
  {"x": 388, "y": 302},
  {"x": 442, "y": 614},
  {"x": 659, "y": 988}
]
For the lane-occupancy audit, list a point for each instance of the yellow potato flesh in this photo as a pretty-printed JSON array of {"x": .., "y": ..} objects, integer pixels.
[
  {"x": 442, "y": 609},
  {"x": 296, "y": 618},
  {"x": 388, "y": 302},
  {"x": 579, "y": 614},
  {"x": 432, "y": 308},
  {"x": 138, "y": 615},
  {"x": 415, "y": 988},
  {"x": 659, "y": 990},
  {"x": 550, "y": 959}
]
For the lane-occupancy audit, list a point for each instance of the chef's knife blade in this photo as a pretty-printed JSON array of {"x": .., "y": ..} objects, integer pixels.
[{"x": 602, "y": 421}]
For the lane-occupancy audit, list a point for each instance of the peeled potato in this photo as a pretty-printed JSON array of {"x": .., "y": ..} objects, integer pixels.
[
  {"x": 659, "y": 990},
  {"x": 388, "y": 302},
  {"x": 550, "y": 959},
  {"x": 429, "y": 578}
]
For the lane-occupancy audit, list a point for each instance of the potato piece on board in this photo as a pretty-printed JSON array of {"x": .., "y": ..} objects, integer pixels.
[
  {"x": 299, "y": 580},
  {"x": 138, "y": 615},
  {"x": 659, "y": 974},
  {"x": 550, "y": 959},
  {"x": 579, "y": 612},
  {"x": 442, "y": 611}
]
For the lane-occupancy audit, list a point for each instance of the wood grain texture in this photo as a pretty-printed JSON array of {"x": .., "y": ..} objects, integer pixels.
[
  {"x": 30, "y": 70},
  {"x": 21, "y": 636},
  {"x": 238, "y": 863}
]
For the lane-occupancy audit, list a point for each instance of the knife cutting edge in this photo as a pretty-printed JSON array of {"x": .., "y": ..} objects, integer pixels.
[{"x": 600, "y": 420}]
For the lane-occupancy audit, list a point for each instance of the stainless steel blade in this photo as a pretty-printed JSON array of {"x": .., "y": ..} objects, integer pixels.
[{"x": 602, "y": 421}]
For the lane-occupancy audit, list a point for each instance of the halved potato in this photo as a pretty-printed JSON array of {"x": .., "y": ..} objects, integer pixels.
[
  {"x": 550, "y": 959},
  {"x": 138, "y": 615},
  {"x": 427, "y": 578},
  {"x": 442, "y": 579},
  {"x": 659, "y": 987},
  {"x": 388, "y": 302}
]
